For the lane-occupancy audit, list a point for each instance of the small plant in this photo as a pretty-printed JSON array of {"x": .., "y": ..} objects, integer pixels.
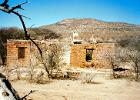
[
  {"x": 87, "y": 77},
  {"x": 54, "y": 57},
  {"x": 39, "y": 78}
]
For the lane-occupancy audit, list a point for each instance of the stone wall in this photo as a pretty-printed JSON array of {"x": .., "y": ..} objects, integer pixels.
[
  {"x": 100, "y": 55},
  {"x": 13, "y": 59},
  {"x": 32, "y": 56},
  {"x": 62, "y": 51},
  {"x": 70, "y": 54}
]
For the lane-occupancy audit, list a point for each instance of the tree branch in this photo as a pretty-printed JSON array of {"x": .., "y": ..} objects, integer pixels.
[
  {"x": 32, "y": 91},
  {"x": 5, "y": 8},
  {"x": 4, "y": 3},
  {"x": 18, "y": 6}
]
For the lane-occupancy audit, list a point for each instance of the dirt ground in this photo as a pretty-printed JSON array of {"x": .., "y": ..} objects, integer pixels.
[{"x": 114, "y": 89}]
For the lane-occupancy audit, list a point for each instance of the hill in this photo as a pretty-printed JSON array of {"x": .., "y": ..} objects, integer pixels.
[
  {"x": 89, "y": 30},
  {"x": 92, "y": 29}
]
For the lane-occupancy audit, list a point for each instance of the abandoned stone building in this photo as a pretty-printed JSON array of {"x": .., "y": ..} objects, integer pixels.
[
  {"x": 91, "y": 55},
  {"x": 24, "y": 53}
]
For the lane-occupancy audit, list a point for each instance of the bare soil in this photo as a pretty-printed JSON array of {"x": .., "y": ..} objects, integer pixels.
[{"x": 115, "y": 89}]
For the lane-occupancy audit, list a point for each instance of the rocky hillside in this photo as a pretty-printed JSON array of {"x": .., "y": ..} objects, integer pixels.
[
  {"x": 92, "y": 29},
  {"x": 89, "y": 30}
]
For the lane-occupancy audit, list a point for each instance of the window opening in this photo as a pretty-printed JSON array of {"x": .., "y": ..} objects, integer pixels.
[
  {"x": 89, "y": 53},
  {"x": 21, "y": 52}
]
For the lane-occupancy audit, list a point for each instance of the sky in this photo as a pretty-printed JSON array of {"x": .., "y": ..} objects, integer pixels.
[{"x": 44, "y": 12}]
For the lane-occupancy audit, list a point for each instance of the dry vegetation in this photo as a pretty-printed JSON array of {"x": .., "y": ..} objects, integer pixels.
[
  {"x": 128, "y": 38},
  {"x": 90, "y": 29}
]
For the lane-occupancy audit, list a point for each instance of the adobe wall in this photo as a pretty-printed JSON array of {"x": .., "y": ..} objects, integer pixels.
[
  {"x": 32, "y": 55},
  {"x": 101, "y": 52},
  {"x": 63, "y": 50},
  {"x": 71, "y": 54},
  {"x": 12, "y": 53}
]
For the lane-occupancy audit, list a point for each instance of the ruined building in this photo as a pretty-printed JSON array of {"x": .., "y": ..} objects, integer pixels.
[
  {"x": 18, "y": 53},
  {"x": 91, "y": 55},
  {"x": 23, "y": 53}
]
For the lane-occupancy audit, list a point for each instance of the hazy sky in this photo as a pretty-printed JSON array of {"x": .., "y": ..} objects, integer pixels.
[{"x": 43, "y": 12}]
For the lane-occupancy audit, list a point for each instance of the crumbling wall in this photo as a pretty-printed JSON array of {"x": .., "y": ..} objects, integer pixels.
[
  {"x": 12, "y": 53},
  {"x": 100, "y": 53},
  {"x": 32, "y": 55},
  {"x": 78, "y": 55},
  {"x": 31, "y": 66},
  {"x": 63, "y": 50},
  {"x": 74, "y": 54}
]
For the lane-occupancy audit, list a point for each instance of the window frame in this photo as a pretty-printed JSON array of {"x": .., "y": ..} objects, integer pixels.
[
  {"x": 21, "y": 52},
  {"x": 89, "y": 54}
]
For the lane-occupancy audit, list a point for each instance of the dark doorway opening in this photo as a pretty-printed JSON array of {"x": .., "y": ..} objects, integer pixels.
[
  {"x": 21, "y": 52},
  {"x": 89, "y": 53}
]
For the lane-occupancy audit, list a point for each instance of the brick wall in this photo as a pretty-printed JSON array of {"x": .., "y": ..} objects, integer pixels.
[
  {"x": 100, "y": 54},
  {"x": 63, "y": 51},
  {"x": 74, "y": 54},
  {"x": 13, "y": 59},
  {"x": 32, "y": 55}
]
